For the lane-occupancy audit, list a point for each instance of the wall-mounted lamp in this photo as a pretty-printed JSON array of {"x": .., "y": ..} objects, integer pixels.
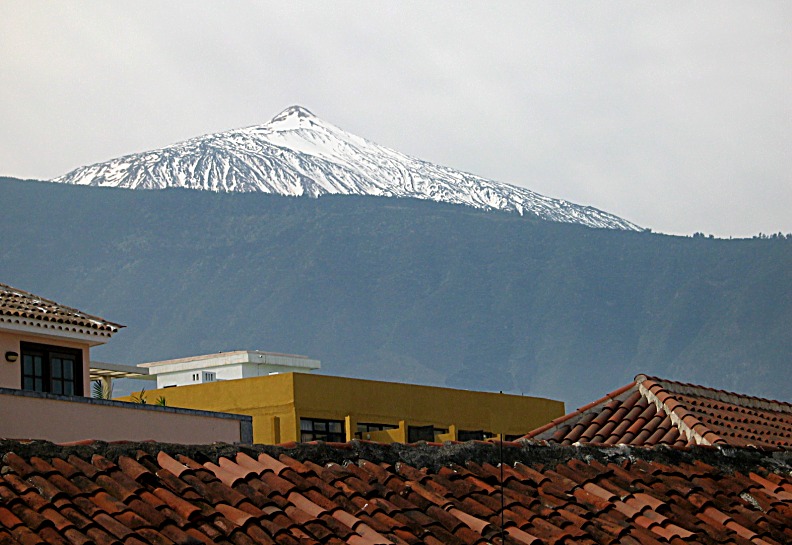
[{"x": 11, "y": 356}]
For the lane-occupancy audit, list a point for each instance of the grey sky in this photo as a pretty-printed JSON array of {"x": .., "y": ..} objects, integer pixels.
[{"x": 676, "y": 116}]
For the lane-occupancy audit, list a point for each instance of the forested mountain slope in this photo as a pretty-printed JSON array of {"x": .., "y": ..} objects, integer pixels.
[{"x": 407, "y": 290}]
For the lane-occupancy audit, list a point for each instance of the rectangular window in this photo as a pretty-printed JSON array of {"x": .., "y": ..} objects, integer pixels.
[
  {"x": 316, "y": 429},
  {"x": 420, "y": 433},
  {"x": 423, "y": 433},
  {"x": 51, "y": 369},
  {"x": 472, "y": 435},
  {"x": 367, "y": 427}
]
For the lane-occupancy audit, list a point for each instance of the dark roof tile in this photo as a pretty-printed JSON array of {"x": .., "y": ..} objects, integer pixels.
[{"x": 183, "y": 508}]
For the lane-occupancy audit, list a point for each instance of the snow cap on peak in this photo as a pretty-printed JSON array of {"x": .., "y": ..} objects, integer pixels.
[
  {"x": 297, "y": 153},
  {"x": 293, "y": 112}
]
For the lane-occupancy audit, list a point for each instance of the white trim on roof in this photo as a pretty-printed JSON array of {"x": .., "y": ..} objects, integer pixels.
[{"x": 55, "y": 330}]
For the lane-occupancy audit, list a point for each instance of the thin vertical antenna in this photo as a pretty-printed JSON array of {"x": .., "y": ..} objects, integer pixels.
[{"x": 503, "y": 531}]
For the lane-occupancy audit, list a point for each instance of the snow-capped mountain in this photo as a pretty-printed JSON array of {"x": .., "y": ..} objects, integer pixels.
[{"x": 297, "y": 153}]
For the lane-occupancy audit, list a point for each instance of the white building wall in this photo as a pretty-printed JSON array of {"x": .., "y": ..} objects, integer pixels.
[
  {"x": 199, "y": 376},
  {"x": 226, "y": 366},
  {"x": 221, "y": 372}
]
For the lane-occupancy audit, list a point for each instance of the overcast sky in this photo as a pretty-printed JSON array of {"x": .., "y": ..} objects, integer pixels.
[{"x": 676, "y": 116}]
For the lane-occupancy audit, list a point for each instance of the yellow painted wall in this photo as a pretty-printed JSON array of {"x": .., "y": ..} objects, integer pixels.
[
  {"x": 277, "y": 402},
  {"x": 269, "y": 400},
  {"x": 321, "y": 396}
]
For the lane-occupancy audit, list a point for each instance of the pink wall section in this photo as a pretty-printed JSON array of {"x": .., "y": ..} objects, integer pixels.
[
  {"x": 33, "y": 416},
  {"x": 10, "y": 376},
  {"x": 10, "y": 373}
]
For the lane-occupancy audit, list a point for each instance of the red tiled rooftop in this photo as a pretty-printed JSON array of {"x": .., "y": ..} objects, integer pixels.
[
  {"x": 471, "y": 493},
  {"x": 19, "y": 306},
  {"x": 654, "y": 411}
]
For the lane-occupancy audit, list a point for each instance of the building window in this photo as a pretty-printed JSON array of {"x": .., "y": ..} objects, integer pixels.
[
  {"x": 367, "y": 427},
  {"x": 51, "y": 369},
  {"x": 423, "y": 433},
  {"x": 316, "y": 429},
  {"x": 471, "y": 435}
]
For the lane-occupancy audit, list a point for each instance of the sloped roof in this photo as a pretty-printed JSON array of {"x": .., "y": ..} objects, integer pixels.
[
  {"x": 22, "y": 307},
  {"x": 362, "y": 493},
  {"x": 655, "y": 411}
]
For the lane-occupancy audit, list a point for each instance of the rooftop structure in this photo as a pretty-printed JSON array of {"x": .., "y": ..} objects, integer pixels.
[
  {"x": 655, "y": 411},
  {"x": 308, "y": 406},
  {"x": 362, "y": 493},
  {"x": 226, "y": 366}
]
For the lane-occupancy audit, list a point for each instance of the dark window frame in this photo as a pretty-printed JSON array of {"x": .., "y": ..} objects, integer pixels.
[
  {"x": 368, "y": 427},
  {"x": 53, "y": 375},
  {"x": 473, "y": 435},
  {"x": 320, "y": 430},
  {"x": 423, "y": 433},
  {"x": 375, "y": 426}
]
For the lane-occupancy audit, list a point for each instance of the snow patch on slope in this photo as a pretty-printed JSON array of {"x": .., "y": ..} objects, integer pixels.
[{"x": 298, "y": 154}]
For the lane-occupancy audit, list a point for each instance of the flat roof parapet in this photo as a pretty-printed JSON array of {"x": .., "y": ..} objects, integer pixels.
[{"x": 232, "y": 358}]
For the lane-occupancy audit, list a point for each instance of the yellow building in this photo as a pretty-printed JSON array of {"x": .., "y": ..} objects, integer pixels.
[{"x": 301, "y": 406}]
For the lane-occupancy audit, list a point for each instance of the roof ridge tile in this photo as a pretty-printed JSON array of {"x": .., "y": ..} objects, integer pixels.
[
  {"x": 676, "y": 411},
  {"x": 720, "y": 395}
]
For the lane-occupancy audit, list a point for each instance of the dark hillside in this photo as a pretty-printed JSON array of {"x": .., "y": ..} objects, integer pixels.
[{"x": 405, "y": 290}]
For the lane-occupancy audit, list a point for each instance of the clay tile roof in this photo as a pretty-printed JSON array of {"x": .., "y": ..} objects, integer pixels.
[
  {"x": 24, "y": 308},
  {"x": 653, "y": 411},
  {"x": 472, "y": 493}
]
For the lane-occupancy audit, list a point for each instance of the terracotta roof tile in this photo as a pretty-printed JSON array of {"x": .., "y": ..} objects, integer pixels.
[
  {"x": 22, "y": 307},
  {"x": 460, "y": 494},
  {"x": 653, "y": 411}
]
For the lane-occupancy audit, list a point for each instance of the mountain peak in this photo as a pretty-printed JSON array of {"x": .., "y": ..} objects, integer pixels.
[
  {"x": 297, "y": 154},
  {"x": 292, "y": 114}
]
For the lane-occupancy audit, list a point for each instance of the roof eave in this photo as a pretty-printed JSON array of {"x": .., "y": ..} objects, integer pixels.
[{"x": 57, "y": 330}]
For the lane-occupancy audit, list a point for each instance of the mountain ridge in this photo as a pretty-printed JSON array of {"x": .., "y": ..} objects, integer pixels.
[
  {"x": 405, "y": 290},
  {"x": 299, "y": 154}
]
